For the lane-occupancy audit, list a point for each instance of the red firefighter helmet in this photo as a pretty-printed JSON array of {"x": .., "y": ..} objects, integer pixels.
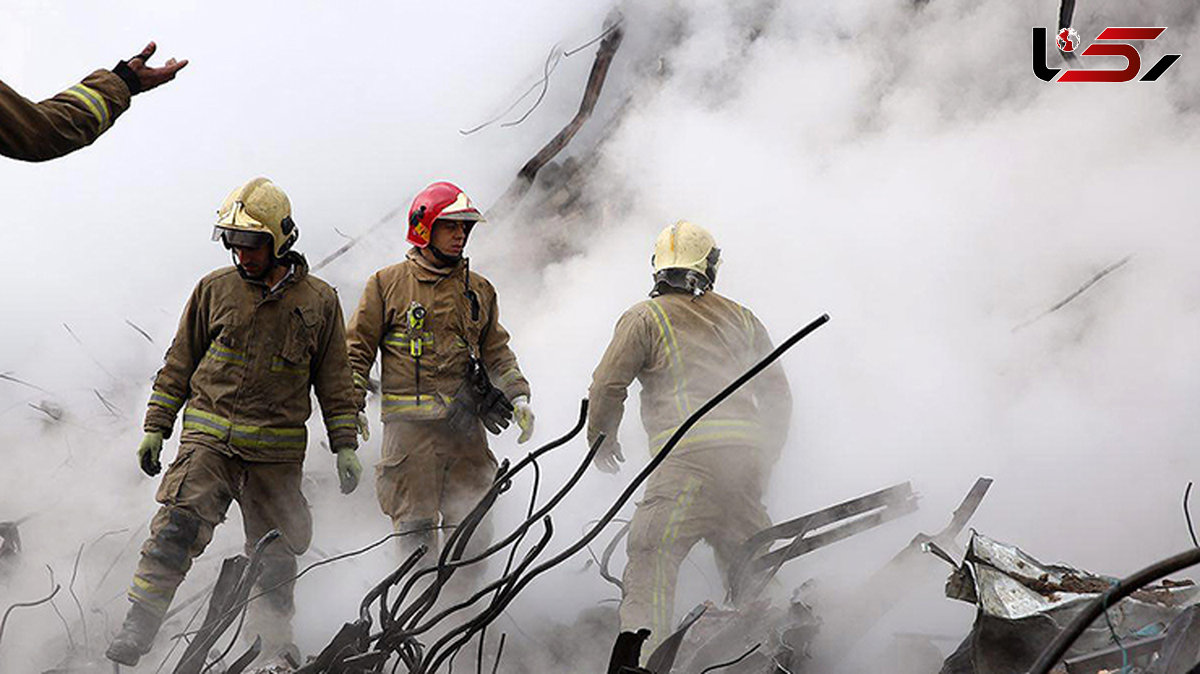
[{"x": 441, "y": 200}]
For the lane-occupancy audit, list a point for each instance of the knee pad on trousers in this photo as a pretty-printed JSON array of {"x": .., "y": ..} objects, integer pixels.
[{"x": 172, "y": 545}]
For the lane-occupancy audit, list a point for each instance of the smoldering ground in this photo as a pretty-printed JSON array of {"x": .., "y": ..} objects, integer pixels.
[{"x": 901, "y": 169}]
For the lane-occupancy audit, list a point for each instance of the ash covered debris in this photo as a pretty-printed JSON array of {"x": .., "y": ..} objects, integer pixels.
[{"x": 1023, "y": 605}]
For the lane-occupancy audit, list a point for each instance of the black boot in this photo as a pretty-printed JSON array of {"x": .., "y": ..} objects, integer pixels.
[{"x": 136, "y": 636}]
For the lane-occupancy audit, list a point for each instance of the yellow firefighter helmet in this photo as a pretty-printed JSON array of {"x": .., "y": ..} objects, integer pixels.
[
  {"x": 256, "y": 213},
  {"x": 686, "y": 245}
]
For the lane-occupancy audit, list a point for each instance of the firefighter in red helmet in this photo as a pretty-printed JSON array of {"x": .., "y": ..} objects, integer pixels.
[{"x": 448, "y": 374}]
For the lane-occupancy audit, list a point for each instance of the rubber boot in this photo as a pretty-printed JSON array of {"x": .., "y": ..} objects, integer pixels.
[
  {"x": 270, "y": 616},
  {"x": 136, "y": 636}
]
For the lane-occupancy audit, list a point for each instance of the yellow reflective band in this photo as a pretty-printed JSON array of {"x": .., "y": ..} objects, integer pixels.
[
  {"x": 225, "y": 354},
  {"x": 144, "y": 592},
  {"x": 430, "y": 406},
  {"x": 278, "y": 364},
  {"x": 402, "y": 339},
  {"x": 165, "y": 400},
  {"x": 664, "y": 561},
  {"x": 674, "y": 361},
  {"x": 94, "y": 102},
  {"x": 342, "y": 421},
  {"x": 246, "y": 436},
  {"x": 361, "y": 381},
  {"x": 712, "y": 431},
  {"x": 509, "y": 376}
]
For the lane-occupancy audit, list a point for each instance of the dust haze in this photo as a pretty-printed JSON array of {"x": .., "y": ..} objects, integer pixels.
[{"x": 901, "y": 169}]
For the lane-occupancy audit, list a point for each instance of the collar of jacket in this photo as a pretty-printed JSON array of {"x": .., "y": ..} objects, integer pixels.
[
  {"x": 299, "y": 272},
  {"x": 427, "y": 271}
]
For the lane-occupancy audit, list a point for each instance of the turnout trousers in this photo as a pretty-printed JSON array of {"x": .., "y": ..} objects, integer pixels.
[
  {"x": 431, "y": 476},
  {"x": 195, "y": 494},
  {"x": 698, "y": 495}
]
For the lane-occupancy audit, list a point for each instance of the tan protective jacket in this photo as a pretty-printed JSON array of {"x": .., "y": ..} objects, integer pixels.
[
  {"x": 244, "y": 360},
  {"x": 64, "y": 123},
  {"x": 421, "y": 388},
  {"x": 684, "y": 350}
]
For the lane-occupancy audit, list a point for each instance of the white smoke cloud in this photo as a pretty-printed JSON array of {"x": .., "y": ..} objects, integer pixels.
[{"x": 903, "y": 170}]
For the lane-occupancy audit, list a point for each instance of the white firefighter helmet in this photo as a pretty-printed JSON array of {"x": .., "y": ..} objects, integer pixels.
[
  {"x": 686, "y": 245},
  {"x": 254, "y": 214}
]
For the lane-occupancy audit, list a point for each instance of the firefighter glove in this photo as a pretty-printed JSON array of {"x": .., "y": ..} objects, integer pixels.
[
  {"x": 349, "y": 469},
  {"x": 363, "y": 429},
  {"x": 523, "y": 414},
  {"x": 149, "y": 451},
  {"x": 609, "y": 458}
]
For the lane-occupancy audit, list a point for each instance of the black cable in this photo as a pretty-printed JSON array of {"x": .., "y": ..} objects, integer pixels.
[
  {"x": 733, "y": 662},
  {"x": 499, "y": 584},
  {"x": 607, "y": 557},
  {"x": 467, "y": 629},
  {"x": 519, "y": 531},
  {"x": 654, "y": 463},
  {"x": 1123, "y": 588},
  {"x": 499, "y": 652},
  {"x": 512, "y": 555},
  {"x": 1187, "y": 514},
  {"x": 666, "y": 451}
]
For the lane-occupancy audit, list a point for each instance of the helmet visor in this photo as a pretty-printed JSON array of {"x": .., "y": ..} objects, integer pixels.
[
  {"x": 470, "y": 215},
  {"x": 239, "y": 238}
]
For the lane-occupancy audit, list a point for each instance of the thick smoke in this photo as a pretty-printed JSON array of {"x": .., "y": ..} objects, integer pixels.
[{"x": 900, "y": 168}]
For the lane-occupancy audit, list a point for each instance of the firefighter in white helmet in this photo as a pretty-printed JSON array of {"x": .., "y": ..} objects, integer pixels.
[
  {"x": 255, "y": 340},
  {"x": 684, "y": 345}
]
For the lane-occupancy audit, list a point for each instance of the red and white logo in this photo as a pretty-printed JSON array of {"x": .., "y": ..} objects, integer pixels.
[
  {"x": 1068, "y": 39},
  {"x": 1112, "y": 41}
]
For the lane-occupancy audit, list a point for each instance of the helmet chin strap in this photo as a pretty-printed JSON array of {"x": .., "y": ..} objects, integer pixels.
[{"x": 446, "y": 260}]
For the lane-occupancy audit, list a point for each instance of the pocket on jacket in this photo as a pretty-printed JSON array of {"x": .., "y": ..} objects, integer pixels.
[{"x": 299, "y": 344}]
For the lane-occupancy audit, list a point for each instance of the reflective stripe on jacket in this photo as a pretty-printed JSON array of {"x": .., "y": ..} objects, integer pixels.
[
  {"x": 421, "y": 388},
  {"x": 684, "y": 350},
  {"x": 244, "y": 361},
  {"x": 61, "y": 124}
]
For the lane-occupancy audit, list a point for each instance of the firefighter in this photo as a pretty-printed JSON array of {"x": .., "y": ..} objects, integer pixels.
[
  {"x": 447, "y": 372},
  {"x": 684, "y": 345},
  {"x": 77, "y": 116},
  {"x": 253, "y": 341}
]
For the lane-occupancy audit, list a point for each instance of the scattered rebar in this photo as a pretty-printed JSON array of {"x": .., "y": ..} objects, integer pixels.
[
  {"x": 71, "y": 590},
  {"x": 9, "y": 376},
  {"x": 139, "y": 330},
  {"x": 28, "y": 604},
  {"x": 1081, "y": 290}
]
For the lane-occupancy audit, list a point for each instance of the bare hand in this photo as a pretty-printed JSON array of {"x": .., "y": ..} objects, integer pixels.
[{"x": 152, "y": 77}]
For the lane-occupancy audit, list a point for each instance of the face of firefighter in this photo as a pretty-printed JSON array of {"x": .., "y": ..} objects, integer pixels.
[
  {"x": 255, "y": 262},
  {"x": 450, "y": 236}
]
